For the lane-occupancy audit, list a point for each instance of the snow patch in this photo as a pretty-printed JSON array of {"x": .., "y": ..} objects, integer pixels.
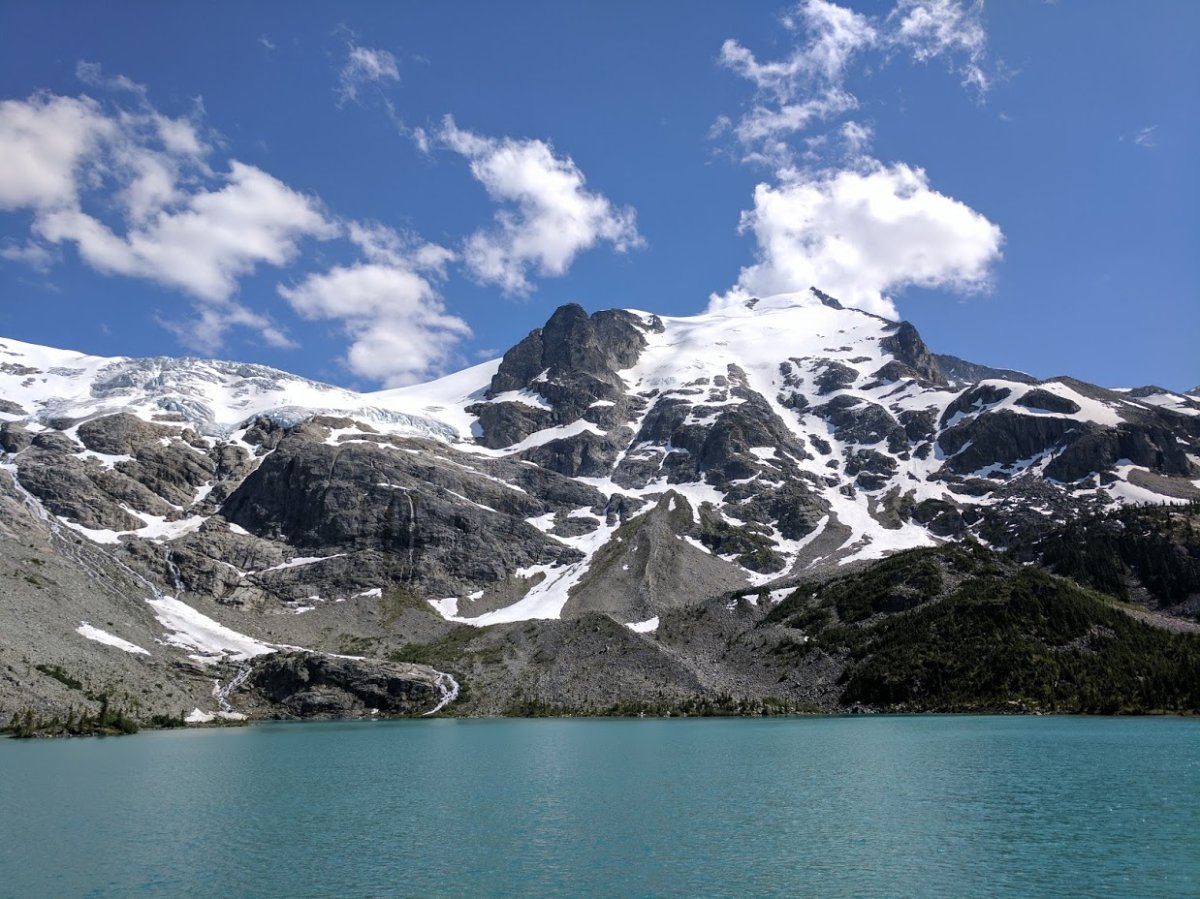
[
  {"x": 212, "y": 641},
  {"x": 100, "y": 636}
]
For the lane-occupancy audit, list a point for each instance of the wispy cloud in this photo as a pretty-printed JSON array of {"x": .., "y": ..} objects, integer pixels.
[
  {"x": 92, "y": 74},
  {"x": 37, "y": 256},
  {"x": 947, "y": 29},
  {"x": 365, "y": 66},
  {"x": 548, "y": 215},
  {"x": 807, "y": 87},
  {"x": 1143, "y": 137}
]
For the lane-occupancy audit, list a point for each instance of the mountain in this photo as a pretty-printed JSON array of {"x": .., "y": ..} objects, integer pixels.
[{"x": 317, "y": 551}]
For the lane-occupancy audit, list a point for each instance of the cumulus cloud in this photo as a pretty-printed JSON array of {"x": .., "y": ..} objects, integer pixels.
[
  {"x": 135, "y": 193},
  {"x": 833, "y": 216},
  {"x": 44, "y": 142},
  {"x": 208, "y": 243},
  {"x": 550, "y": 216},
  {"x": 132, "y": 190},
  {"x": 860, "y": 234},
  {"x": 365, "y": 66},
  {"x": 389, "y": 305}
]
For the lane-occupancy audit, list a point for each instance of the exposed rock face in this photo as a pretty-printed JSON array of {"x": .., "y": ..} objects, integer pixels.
[
  {"x": 611, "y": 468},
  {"x": 1001, "y": 437},
  {"x": 708, "y": 436},
  {"x": 584, "y": 455},
  {"x": 651, "y": 566},
  {"x": 571, "y": 365},
  {"x": 309, "y": 685},
  {"x": 909, "y": 350},
  {"x": 856, "y": 420},
  {"x": 438, "y": 524},
  {"x": 582, "y": 350},
  {"x": 82, "y": 493},
  {"x": 1048, "y": 402},
  {"x": 14, "y": 437},
  {"x": 960, "y": 372},
  {"x": 121, "y": 434},
  {"x": 1154, "y": 447}
]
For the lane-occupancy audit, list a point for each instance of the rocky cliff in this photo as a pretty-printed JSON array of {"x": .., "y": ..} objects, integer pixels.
[{"x": 170, "y": 523}]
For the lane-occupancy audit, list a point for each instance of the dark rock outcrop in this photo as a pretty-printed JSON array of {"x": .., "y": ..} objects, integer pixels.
[
  {"x": 651, "y": 568},
  {"x": 907, "y": 348},
  {"x": 1154, "y": 447},
  {"x": 974, "y": 400},
  {"x": 1003, "y": 437},
  {"x": 438, "y": 522},
  {"x": 960, "y": 372},
  {"x": 572, "y": 363},
  {"x": 1044, "y": 400},
  {"x": 311, "y": 685}
]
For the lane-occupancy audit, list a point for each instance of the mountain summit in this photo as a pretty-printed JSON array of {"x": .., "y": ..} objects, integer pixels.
[{"x": 620, "y": 464}]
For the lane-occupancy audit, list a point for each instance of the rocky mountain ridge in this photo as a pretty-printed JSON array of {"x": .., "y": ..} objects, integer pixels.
[{"x": 620, "y": 464}]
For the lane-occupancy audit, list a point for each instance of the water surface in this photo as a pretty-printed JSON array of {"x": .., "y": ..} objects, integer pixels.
[{"x": 864, "y": 806}]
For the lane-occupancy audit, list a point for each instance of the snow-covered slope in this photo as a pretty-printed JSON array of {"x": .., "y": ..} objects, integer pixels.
[
  {"x": 41, "y": 384},
  {"x": 771, "y": 437}
]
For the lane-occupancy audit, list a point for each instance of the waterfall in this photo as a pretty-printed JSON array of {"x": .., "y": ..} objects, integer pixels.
[
  {"x": 448, "y": 687},
  {"x": 222, "y": 694}
]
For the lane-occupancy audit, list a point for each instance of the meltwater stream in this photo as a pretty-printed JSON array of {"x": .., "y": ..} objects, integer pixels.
[{"x": 829, "y": 807}]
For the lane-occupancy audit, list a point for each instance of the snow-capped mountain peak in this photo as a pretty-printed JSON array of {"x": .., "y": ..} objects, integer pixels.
[{"x": 618, "y": 461}]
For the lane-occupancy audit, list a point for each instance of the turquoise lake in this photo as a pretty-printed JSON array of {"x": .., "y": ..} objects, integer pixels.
[{"x": 857, "y": 806}]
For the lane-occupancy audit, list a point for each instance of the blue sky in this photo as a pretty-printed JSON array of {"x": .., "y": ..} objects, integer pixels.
[{"x": 378, "y": 193}]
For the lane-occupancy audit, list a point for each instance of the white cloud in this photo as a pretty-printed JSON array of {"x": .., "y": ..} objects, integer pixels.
[
  {"x": 1144, "y": 137},
  {"x": 389, "y": 306},
  {"x": 767, "y": 124},
  {"x": 204, "y": 247},
  {"x": 167, "y": 217},
  {"x": 44, "y": 142},
  {"x": 835, "y": 34},
  {"x": 133, "y": 191},
  {"x": 804, "y": 88},
  {"x": 205, "y": 333},
  {"x": 808, "y": 86},
  {"x": 549, "y": 217},
  {"x": 36, "y": 255},
  {"x": 833, "y": 217},
  {"x": 856, "y": 137},
  {"x": 949, "y": 28},
  {"x": 92, "y": 74},
  {"x": 860, "y": 234},
  {"x": 386, "y": 246},
  {"x": 365, "y": 66}
]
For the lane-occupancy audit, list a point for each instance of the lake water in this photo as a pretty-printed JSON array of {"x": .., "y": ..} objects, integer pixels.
[{"x": 863, "y": 806}]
